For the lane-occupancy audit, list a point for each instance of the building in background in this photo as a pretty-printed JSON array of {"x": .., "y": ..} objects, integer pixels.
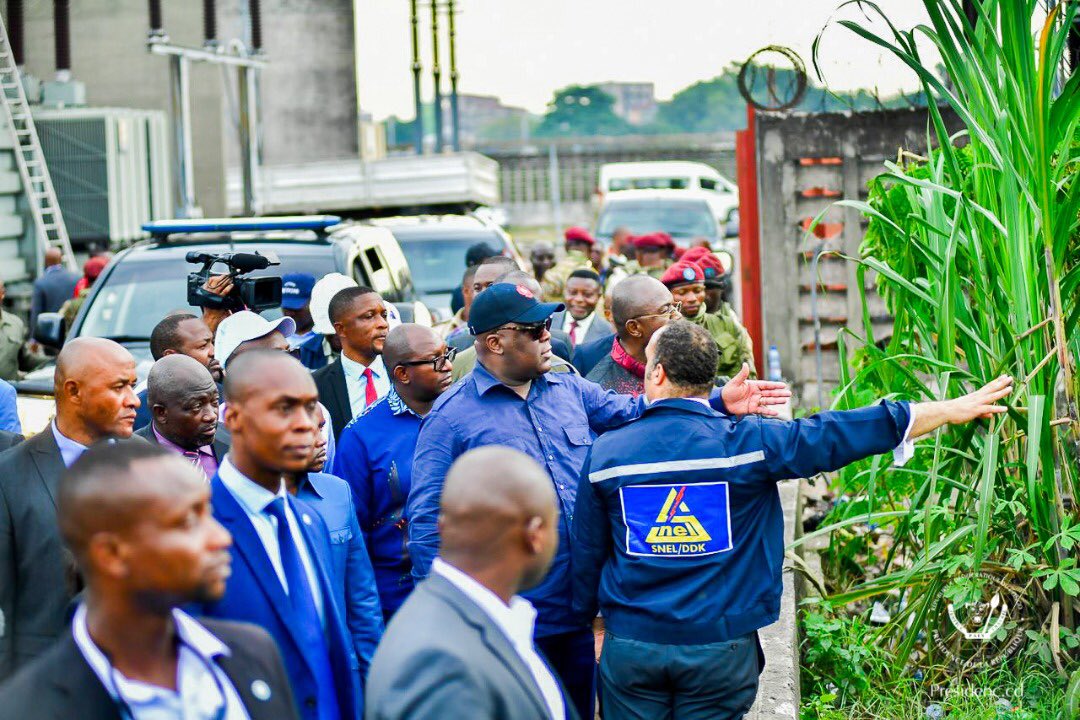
[
  {"x": 308, "y": 98},
  {"x": 634, "y": 102}
]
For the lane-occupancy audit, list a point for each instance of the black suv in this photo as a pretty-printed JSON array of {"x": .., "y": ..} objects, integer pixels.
[{"x": 147, "y": 281}]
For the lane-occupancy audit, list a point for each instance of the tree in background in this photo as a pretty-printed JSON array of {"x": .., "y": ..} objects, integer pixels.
[{"x": 582, "y": 111}]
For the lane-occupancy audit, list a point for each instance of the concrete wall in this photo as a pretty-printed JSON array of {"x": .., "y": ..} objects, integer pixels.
[
  {"x": 309, "y": 90},
  {"x": 108, "y": 53},
  {"x": 805, "y": 164}
]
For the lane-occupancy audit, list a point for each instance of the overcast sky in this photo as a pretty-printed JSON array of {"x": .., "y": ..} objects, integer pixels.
[{"x": 523, "y": 50}]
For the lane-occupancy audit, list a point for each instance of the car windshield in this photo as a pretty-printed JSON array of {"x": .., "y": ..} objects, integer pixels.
[
  {"x": 686, "y": 219},
  {"x": 138, "y": 294},
  {"x": 436, "y": 263}
]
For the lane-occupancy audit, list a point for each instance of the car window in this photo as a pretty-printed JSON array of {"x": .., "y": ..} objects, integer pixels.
[
  {"x": 649, "y": 183},
  {"x": 138, "y": 294},
  {"x": 707, "y": 183},
  {"x": 436, "y": 264},
  {"x": 685, "y": 219}
]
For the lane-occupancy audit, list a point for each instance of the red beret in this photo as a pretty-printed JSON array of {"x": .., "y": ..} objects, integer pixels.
[
  {"x": 94, "y": 266},
  {"x": 654, "y": 240},
  {"x": 578, "y": 234},
  {"x": 695, "y": 254},
  {"x": 679, "y": 253},
  {"x": 683, "y": 273}
]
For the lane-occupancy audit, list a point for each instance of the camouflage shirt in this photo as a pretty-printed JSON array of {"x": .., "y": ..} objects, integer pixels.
[
  {"x": 554, "y": 281},
  {"x": 731, "y": 339}
]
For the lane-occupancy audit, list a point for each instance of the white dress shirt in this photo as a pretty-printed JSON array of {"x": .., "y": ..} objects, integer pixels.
[
  {"x": 198, "y": 694},
  {"x": 356, "y": 383},
  {"x": 582, "y": 326},
  {"x": 516, "y": 622},
  {"x": 254, "y": 498}
]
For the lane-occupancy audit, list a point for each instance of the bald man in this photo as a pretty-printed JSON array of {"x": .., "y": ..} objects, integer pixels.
[
  {"x": 282, "y": 558},
  {"x": 53, "y": 287},
  {"x": 137, "y": 520},
  {"x": 375, "y": 452},
  {"x": 461, "y": 645},
  {"x": 183, "y": 399},
  {"x": 95, "y": 401},
  {"x": 640, "y": 305}
]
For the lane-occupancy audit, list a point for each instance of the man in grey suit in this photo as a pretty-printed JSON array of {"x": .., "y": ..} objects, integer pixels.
[
  {"x": 55, "y": 285},
  {"x": 95, "y": 400},
  {"x": 183, "y": 399},
  {"x": 461, "y": 645},
  {"x": 581, "y": 321}
]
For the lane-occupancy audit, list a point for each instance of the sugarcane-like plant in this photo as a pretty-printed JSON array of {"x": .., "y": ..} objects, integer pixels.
[{"x": 975, "y": 249}]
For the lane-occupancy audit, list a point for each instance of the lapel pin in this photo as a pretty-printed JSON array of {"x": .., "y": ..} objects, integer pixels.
[
  {"x": 307, "y": 519},
  {"x": 260, "y": 690}
]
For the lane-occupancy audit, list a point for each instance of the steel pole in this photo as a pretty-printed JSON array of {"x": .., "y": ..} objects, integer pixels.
[
  {"x": 455, "y": 117},
  {"x": 247, "y": 127},
  {"x": 436, "y": 75},
  {"x": 181, "y": 114},
  {"x": 418, "y": 124}
]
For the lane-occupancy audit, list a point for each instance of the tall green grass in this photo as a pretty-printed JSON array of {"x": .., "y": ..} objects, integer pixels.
[{"x": 975, "y": 251}]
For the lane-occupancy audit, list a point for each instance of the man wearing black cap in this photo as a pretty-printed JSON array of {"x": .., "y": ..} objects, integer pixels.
[{"x": 512, "y": 399}]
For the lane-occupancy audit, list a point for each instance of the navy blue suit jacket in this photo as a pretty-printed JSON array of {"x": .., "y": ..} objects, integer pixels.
[
  {"x": 50, "y": 291},
  {"x": 353, "y": 576},
  {"x": 254, "y": 594},
  {"x": 587, "y": 354}
]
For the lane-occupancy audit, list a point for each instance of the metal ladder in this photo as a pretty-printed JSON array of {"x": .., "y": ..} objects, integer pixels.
[{"x": 51, "y": 230}]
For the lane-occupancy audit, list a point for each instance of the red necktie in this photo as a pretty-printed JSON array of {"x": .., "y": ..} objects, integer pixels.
[
  {"x": 370, "y": 396},
  {"x": 573, "y": 333}
]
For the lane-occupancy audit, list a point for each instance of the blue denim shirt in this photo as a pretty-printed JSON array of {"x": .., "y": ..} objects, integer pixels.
[
  {"x": 375, "y": 456},
  {"x": 555, "y": 425}
]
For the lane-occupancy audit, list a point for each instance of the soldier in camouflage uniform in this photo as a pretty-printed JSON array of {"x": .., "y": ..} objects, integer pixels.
[
  {"x": 578, "y": 246},
  {"x": 686, "y": 280},
  {"x": 652, "y": 255}
]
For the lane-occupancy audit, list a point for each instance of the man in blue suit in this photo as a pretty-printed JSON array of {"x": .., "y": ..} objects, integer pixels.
[
  {"x": 353, "y": 575},
  {"x": 281, "y": 553}
]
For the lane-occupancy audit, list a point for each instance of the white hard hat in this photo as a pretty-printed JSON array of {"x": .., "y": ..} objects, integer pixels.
[
  {"x": 324, "y": 290},
  {"x": 243, "y": 326}
]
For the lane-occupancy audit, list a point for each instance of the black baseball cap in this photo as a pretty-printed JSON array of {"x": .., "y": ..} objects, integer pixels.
[{"x": 504, "y": 303}]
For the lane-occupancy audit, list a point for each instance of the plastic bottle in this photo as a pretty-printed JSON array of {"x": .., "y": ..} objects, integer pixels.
[{"x": 775, "y": 373}]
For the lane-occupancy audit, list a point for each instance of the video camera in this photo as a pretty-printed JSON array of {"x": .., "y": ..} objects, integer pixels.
[{"x": 255, "y": 294}]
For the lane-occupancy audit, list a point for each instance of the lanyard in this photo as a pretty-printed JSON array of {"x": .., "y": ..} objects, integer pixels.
[{"x": 125, "y": 710}]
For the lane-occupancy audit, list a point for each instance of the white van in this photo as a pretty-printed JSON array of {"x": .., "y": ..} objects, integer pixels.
[{"x": 674, "y": 176}]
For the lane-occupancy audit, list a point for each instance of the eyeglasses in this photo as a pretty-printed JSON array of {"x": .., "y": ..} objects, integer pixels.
[
  {"x": 435, "y": 362},
  {"x": 672, "y": 312},
  {"x": 535, "y": 331}
]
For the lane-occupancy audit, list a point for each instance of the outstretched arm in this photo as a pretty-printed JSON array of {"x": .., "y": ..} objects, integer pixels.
[
  {"x": 929, "y": 416},
  {"x": 743, "y": 396}
]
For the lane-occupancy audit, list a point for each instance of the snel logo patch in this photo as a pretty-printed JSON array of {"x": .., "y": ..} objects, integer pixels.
[{"x": 676, "y": 520}]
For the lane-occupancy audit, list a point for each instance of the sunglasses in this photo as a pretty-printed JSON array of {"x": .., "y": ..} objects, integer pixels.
[
  {"x": 535, "y": 331},
  {"x": 435, "y": 362}
]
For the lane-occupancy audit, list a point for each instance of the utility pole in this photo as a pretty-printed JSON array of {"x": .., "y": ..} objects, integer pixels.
[
  {"x": 455, "y": 118},
  {"x": 436, "y": 75},
  {"x": 418, "y": 124}
]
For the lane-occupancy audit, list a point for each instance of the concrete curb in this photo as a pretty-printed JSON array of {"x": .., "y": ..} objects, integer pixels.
[{"x": 778, "y": 692}]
